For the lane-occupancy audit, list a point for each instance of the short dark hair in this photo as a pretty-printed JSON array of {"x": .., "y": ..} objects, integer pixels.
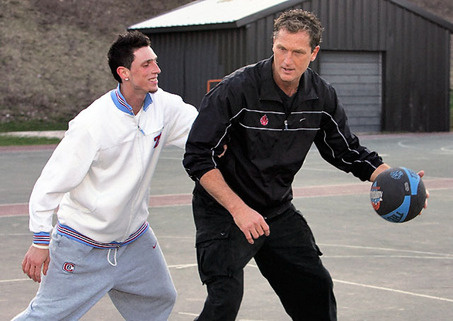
[
  {"x": 297, "y": 20},
  {"x": 121, "y": 52}
]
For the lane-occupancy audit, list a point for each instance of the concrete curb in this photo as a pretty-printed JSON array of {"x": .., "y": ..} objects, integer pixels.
[{"x": 49, "y": 134}]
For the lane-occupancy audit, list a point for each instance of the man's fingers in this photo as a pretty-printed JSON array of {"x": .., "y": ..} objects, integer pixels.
[
  {"x": 36, "y": 276},
  {"x": 255, "y": 232},
  {"x": 46, "y": 266},
  {"x": 32, "y": 274},
  {"x": 28, "y": 269},
  {"x": 252, "y": 224},
  {"x": 25, "y": 267},
  {"x": 426, "y": 200},
  {"x": 264, "y": 229},
  {"x": 248, "y": 236},
  {"x": 33, "y": 271}
]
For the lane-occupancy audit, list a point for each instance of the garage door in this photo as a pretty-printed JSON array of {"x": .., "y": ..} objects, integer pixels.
[{"x": 357, "y": 77}]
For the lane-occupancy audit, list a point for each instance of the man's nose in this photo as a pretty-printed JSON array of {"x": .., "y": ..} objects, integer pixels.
[{"x": 156, "y": 69}]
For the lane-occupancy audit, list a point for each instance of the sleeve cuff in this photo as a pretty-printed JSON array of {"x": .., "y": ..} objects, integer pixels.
[{"x": 41, "y": 238}]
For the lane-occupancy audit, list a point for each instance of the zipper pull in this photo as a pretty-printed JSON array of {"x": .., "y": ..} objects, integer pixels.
[
  {"x": 141, "y": 130},
  {"x": 286, "y": 124}
]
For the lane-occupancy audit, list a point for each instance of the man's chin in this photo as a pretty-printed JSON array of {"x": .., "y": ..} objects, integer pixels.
[{"x": 287, "y": 77}]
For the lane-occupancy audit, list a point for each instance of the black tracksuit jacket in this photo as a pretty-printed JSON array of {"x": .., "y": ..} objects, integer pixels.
[{"x": 266, "y": 144}]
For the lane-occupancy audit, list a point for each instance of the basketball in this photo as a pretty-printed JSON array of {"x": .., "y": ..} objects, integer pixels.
[{"x": 398, "y": 194}]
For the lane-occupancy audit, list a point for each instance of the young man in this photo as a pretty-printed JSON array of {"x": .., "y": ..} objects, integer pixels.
[
  {"x": 99, "y": 177},
  {"x": 268, "y": 115}
]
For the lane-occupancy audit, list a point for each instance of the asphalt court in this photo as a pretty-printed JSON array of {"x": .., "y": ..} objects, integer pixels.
[{"x": 381, "y": 270}]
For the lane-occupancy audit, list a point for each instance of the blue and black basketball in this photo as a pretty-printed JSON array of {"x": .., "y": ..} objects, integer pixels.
[{"x": 398, "y": 194}]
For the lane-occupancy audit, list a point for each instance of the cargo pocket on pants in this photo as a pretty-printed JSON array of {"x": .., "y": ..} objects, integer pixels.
[{"x": 213, "y": 255}]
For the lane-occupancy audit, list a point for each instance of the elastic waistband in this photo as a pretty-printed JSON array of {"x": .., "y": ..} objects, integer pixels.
[
  {"x": 275, "y": 211},
  {"x": 76, "y": 236}
]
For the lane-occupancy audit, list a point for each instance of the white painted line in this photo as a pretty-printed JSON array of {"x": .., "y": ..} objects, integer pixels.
[
  {"x": 14, "y": 280},
  {"x": 387, "y": 257},
  {"x": 189, "y": 314},
  {"x": 171, "y": 158},
  {"x": 173, "y": 237},
  {"x": 182, "y": 266},
  {"x": 394, "y": 290},
  {"x": 196, "y": 314},
  {"x": 386, "y": 249}
]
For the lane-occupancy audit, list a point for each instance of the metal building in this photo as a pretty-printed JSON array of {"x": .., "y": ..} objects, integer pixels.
[{"x": 388, "y": 60}]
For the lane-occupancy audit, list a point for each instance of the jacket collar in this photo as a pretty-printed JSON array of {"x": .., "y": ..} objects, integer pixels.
[
  {"x": 267, "y": 87},
  {"x": 121, "y": 103}
]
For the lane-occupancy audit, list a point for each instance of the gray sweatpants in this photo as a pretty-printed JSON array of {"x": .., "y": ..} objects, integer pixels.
[{"x": 135, "y": 276}]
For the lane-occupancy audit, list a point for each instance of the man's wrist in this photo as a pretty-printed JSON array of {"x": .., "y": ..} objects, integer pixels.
[{"x": 40, "y": 246}]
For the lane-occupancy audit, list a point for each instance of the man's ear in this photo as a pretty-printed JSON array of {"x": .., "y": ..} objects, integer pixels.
[
  {"x": 123, "y": 72},
  {"x": 314, "y": 53}
]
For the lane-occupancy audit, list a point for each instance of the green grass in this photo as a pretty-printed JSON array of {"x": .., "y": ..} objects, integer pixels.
[
  {"x": 32, "y": 126},
  {"x": 6, "y": 140}
]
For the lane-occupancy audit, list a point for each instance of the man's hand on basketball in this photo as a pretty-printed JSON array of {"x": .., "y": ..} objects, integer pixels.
[
  {"x": 421, "y": 174},
  {"x": 251, "y": 223},
  {"x": 34, "y": 261}
]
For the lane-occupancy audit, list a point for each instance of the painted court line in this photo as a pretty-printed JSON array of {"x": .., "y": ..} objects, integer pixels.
[
  {"x": 384, "y": 289},
  {"x": 394, "y": 290},
  {"x": 14, "y": 280},
  {"x": 388, "y": 257},
  {"x": 445, "y": 255},
  {"x": 335, "y": 280}
]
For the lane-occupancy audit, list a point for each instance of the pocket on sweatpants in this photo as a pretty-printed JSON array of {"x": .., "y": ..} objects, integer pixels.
[{"x": 69, "y": 254}]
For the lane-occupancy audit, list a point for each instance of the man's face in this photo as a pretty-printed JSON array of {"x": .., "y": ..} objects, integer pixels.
[
  {"x": 144, "y": 70},
  {"x": 292, "y": 55}
]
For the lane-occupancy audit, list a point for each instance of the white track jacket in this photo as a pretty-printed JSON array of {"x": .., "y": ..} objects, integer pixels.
[{"x": 99, "y": 175}]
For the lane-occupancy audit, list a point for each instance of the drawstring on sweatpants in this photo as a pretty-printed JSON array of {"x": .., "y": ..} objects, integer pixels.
[{"x": 114, "y": 263}]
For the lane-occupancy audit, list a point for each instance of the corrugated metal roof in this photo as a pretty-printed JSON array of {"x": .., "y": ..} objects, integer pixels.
[
  {"x": 207, "y": 12},
  {"x": 226, "y": 12}
]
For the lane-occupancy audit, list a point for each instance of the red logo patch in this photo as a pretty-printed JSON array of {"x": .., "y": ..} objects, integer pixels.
[
  {"x": 264, "y": 120},
  {"x": 68, "y": 267}
]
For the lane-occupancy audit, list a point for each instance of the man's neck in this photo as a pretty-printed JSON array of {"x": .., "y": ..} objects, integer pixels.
[
  {"x": 134, "y": 99},
  {"x": 289, "y": 91}
]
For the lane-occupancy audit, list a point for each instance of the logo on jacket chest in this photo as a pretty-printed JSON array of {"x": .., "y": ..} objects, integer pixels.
[
  {"x": 157, "y": 140},
  {"x": 264, "y": 120}
]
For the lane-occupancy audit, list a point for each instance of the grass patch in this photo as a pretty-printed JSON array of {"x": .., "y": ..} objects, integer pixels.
[
  {"x": 32, "y": 126},
  {"x": 7, "y": 140}
]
